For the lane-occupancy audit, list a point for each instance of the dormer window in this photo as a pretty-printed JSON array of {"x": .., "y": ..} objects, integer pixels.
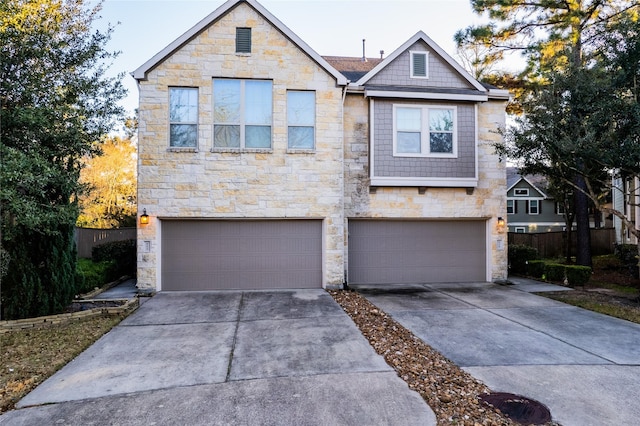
[
  {"x": 243, "y": 40},
  {"x": 419, "y": 64}
]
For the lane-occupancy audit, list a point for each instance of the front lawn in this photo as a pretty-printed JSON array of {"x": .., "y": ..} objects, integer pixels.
[{"x": 29, "y": 356}]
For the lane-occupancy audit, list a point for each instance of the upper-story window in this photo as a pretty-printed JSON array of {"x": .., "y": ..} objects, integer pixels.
[
  {"x": 243, "y": 40},
  {"x": 534, "y": 206},
  {"x": 521, "y": 192},
  {"x": 301, "y": 119},
  {"x": 421, "y": 131},
  {"x": 242, "y": 114},
  {"x": 512, "y": 207},
  {"x": 183, "y": 117},
  {"x": 419, "y": 64}
]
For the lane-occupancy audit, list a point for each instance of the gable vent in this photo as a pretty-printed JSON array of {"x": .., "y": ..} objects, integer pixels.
[
  {"x": 419, "y": 65},
  {"x": 243, "y": 40}
]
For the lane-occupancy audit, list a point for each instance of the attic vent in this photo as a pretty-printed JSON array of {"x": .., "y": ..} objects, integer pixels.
[
  {"x": 243, "y": 40},
  {"x": 419, "y": 65}
]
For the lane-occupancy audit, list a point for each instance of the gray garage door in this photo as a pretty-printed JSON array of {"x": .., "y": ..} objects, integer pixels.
[
  {"x": 403, "y": 252},
  {"x": 241, "y": 254}
]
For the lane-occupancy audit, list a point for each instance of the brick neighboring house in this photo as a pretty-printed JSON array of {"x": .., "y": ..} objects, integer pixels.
[{"x": 265, "y": 165}]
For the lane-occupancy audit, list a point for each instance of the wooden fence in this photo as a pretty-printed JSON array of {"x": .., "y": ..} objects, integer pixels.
[
  {"x": 88, "y": 238},
  {"x": 551, "y": 244}
]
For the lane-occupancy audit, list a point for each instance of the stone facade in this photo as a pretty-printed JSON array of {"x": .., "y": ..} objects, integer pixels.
[
  {"x": 198, "y": 183},
  {"x": 330, "y": 183}
]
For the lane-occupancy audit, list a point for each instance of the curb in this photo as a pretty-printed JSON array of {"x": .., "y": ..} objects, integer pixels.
[{"x": 50, "y": 320}]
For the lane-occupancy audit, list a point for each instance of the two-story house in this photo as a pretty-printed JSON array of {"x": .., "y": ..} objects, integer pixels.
[
  {"x": 529, "y": 208},
  {"x": 265, "y": 165}
]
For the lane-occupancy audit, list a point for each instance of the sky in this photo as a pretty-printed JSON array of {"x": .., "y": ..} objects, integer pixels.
[{"x": 330, "y": 27}]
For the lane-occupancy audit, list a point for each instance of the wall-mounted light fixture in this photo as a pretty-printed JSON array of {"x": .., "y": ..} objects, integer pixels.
[
  {"x": 144, "y": 217},
  {"x": 500, "y": 222}
]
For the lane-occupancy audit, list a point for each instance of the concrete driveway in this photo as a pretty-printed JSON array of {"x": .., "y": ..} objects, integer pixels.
[
  {"x": 218, "y": 358},
  {"x": 584, "y": 366}
]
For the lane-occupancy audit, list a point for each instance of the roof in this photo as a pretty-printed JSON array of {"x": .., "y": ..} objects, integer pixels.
[
  {"x": 539, "y": 182},
  {"x": 141, "y": 72},
  {"x": 433, "y": 46},
  {"x": 351, "y": 67}
]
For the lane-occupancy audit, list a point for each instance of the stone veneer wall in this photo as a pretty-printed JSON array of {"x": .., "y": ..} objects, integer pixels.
[
  {"x": 488, "y": 200},
  {"x": 201, "y": 184}
]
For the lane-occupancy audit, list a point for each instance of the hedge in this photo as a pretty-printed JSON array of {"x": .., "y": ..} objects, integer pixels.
[
  {"x": 577, "y": 275},
  {"x": 536, "y": 268},
  {"x": 519, "y": 255},
  {"x": 123, "y": 253}
]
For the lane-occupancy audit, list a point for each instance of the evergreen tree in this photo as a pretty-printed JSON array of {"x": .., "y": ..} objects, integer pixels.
[{"x": 56, "y": 104}]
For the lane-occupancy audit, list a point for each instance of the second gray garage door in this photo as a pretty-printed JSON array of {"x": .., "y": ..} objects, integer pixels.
[
  {"x": 404, "y": 252},
  {"x": 241, "y": 254}
]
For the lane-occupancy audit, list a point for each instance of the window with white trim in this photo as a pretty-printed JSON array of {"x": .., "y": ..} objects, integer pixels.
[
  {"x": 301, "y": 119},
  {"x": 559, "y": 208},
  {"x": 421, "y": 131},
  {"x": 419, "y": 64},
  {"x": 511, "y": 207},
  {"x": 520, "y": 229},
  {"x": 521, "y": 192},
  {"x": 183, "y": 117},
  {"x": 242, "y": 114},
  {"x": 534, "y": 207}
]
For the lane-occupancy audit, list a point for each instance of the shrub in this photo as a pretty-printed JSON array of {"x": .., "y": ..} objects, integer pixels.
[
  {"x": 536, "y": 268},
  {"x": 555, "y": 271},
  {"x": 577, "y": 275},
  {"x": 90, "y": 274},
  {"x": 628, "y": 254},
  {"x": 123, "y": 253},
  {"x": 519, "y": 255}
]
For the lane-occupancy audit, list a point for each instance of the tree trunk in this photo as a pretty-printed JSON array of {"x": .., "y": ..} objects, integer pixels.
[{"x": 583, "y": 231}]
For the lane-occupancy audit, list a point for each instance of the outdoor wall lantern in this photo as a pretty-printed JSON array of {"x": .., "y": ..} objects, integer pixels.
[
  {"x": 144, "y": 218},
  {"x": 500, "y": 222}
]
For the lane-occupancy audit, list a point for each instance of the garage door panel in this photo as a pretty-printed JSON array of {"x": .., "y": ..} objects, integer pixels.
[
  {"x": 411, "y": 251},
  {"x": 237, "y": 254}
]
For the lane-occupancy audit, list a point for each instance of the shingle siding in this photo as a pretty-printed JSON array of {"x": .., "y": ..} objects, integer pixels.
[
  {"x": 386, "y": 165},
  {"x": 441, "y": 75}
]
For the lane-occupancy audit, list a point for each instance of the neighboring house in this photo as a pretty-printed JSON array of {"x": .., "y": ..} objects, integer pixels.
[
  {"x": 626, "y": 199},
  {"x": 529, "y": 209},
  {"x": 265, "y": 165}
]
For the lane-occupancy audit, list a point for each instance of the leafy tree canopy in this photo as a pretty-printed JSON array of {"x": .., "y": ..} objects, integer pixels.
[{"x": 56, "y": 103}]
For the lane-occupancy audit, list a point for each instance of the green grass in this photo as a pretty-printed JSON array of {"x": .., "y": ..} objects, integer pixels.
[{"x": 591, "y": 303}]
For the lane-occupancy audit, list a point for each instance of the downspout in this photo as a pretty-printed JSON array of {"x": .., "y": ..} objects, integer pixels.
[{"x": 344, "y": 95}]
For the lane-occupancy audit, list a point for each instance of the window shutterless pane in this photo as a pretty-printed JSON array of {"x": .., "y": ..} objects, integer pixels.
[
  {"x": 226, "y": 136},
  {"x": 258, "y": 102},
  {"x": 301, "y": 108},
  {"x": 441, "y": 120},
  {"x": 183, "y": 135},
  {"x": 408, "y": 142},
  {"x": 408, "y": 119},
  {"x": 301, "y": 137},
  {"x": 257, "y": 136},
  {"x": 183, "y": 105},
  {"x": 226, "y": 98},
  {"x": 441, "y": 143}
]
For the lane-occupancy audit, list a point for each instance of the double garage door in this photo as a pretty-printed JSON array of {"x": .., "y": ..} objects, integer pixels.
[
  {"x": 408, "y": 251},
  {"x": 287, "y": 254},
  {"x": 241, "y": 254}
]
